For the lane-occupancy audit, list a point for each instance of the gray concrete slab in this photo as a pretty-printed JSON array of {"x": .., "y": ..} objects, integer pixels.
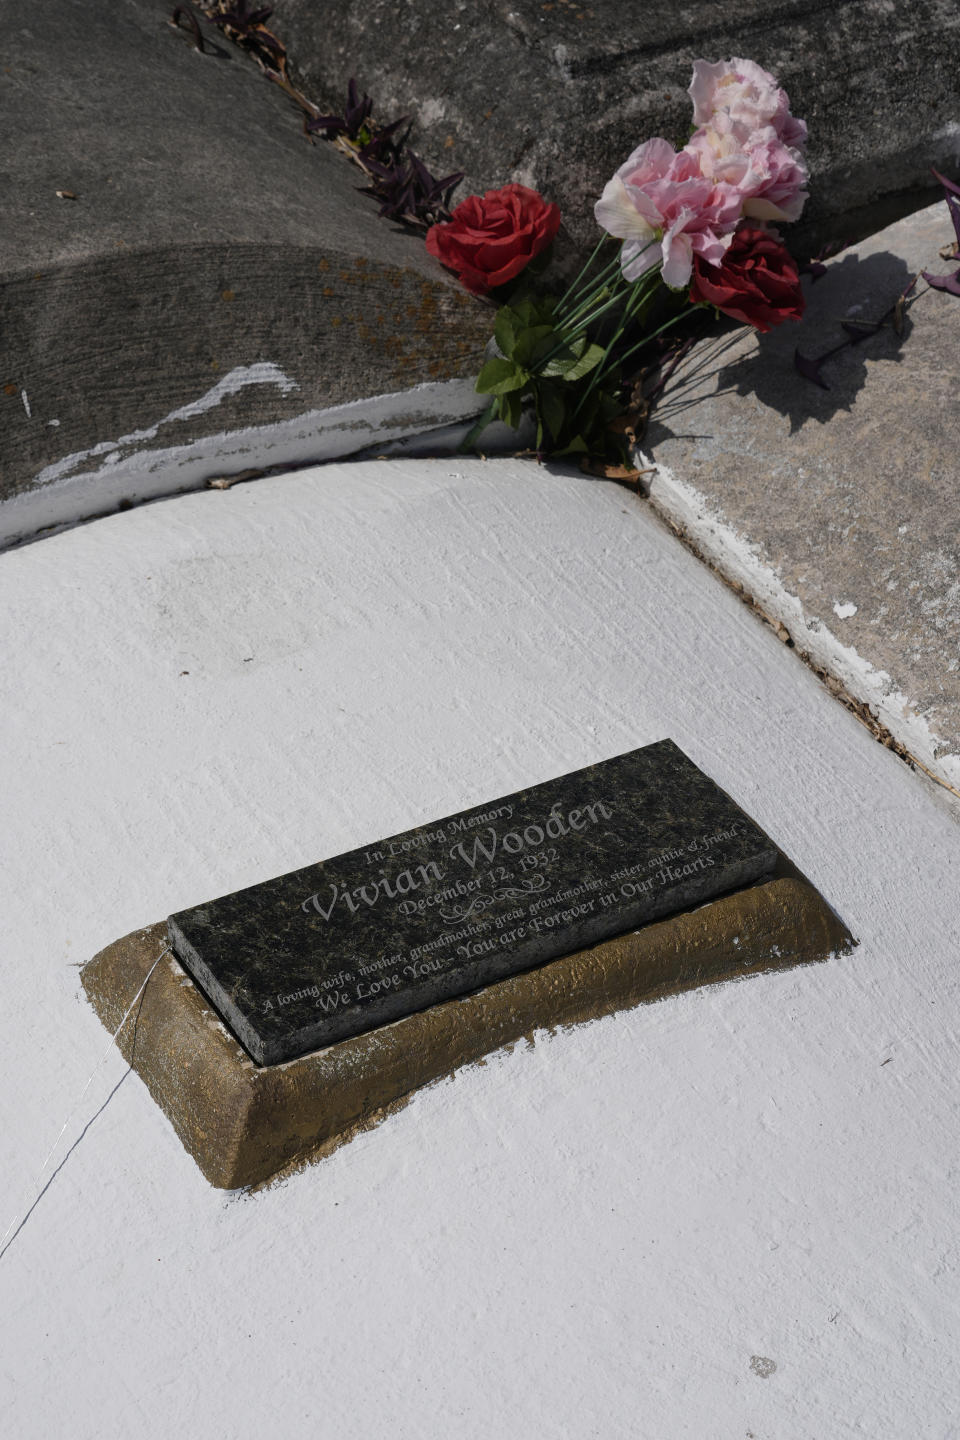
[
  {"x": 556, "y": 94},
  {"x": 214, "y": 271},
  {"x": 838, "y": 510}
]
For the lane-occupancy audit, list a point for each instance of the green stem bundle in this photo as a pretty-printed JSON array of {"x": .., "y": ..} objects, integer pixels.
[{"x": 549, "y": 357}]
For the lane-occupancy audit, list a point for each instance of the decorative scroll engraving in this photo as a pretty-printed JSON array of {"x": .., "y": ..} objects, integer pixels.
[{"x": 458, "y": 913}]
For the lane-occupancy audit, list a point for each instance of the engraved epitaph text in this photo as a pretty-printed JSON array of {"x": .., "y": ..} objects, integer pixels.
[{"x": 358, "y": 941}]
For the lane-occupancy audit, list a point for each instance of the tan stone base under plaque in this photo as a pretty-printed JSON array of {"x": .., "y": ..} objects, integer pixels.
[{"x": 243, "y": 1123}]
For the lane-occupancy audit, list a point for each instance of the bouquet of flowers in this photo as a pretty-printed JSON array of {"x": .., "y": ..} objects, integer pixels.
[{"x": 695, "y": 227}]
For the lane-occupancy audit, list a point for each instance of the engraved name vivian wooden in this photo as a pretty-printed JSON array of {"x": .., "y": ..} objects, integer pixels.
[{"x": 357, "y": 941}]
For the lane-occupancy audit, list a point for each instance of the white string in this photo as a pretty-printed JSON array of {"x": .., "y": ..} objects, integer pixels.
[{"x": 36, "y": 1184}]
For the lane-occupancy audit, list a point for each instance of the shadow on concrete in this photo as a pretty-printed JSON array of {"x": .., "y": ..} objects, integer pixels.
[{"x": 740, "y": 361}]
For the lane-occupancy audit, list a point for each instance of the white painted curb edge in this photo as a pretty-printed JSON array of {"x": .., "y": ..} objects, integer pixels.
[
  {"x": 740, "y": 560},
  {"x": 72, "y": 491}
]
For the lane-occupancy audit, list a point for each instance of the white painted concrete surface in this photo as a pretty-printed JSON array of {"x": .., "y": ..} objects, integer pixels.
[{"x": 729, "y": 1214}]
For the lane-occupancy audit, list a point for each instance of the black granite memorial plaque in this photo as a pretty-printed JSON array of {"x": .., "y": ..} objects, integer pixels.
[{"x": 358, "y": 941}]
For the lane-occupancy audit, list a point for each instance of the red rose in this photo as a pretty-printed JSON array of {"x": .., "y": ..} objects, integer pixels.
[
  {"x": 489, "y": 241},
  {"x": 757, "y": 281}
]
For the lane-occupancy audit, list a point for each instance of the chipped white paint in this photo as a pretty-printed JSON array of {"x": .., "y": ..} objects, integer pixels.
[
  {"x": 740, "y": 559},
  {"x": 844, "y": 611},
  {"x": 26, "y": 404},
  {"x": 263, "y": 373},
  {"x": 72, "y": 490},
  {"x": 618, "y": 1231}
]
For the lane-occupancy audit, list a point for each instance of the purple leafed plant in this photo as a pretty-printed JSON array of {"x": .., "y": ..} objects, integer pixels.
[
  {"x": 247, "y": 26},
  {"x": 385, "y": 148},
  {"x": 399, "y": 180},
  {"x": 950, "y": 283},
  {"x": 353, "y": 123},
  {"x": 408, "y": 192}
]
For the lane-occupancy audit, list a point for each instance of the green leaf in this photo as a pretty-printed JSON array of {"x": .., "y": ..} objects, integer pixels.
[
  {"x": 511, "y": 408},
  {"x": 551, "y": 408},
  {"x": 577, "y": 446},
  {"x": 588, "y": 361},
  {"x": 500, "y": 376},
  {"x": 566, "y": 359},
  {"x": 532, "y": 309},
  {"x": 505, "y": 329},
  {"x": 533, "y": 344}
]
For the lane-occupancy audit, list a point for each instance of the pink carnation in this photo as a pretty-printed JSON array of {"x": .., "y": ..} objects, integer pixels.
[
  {"x": 748, "y": 95},
  {"x": 663, "y": 208},
  {"x": 720, "y": 152},
  {"x": 773, "y": 186},
  {"x": 769, "y": 175}
]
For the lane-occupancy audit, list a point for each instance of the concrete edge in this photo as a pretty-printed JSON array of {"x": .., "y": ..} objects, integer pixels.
[
  {"x": 72, "y": 491},
  {"x": 740, "y": 561},
  {"x": 244, "y": 1124}
]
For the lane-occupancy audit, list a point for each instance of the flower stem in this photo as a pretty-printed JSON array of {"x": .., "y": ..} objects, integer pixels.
[
  {"x": 571, "y": 290},
  {"x": 574, "y": 330},
  {"x": 570, "y": 304},
  {"x": 574, "y": 325},
  {"x": 575, "y": 317},
  {"x": 638, "y": 297},
  {"x": 476, "y": 430},
  {"x": 586, "y": 298},
  {"x": 674, "y": 319}
]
